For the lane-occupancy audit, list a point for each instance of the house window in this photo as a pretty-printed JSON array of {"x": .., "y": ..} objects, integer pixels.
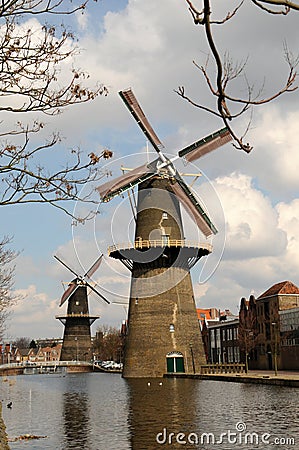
[{"x": 164, "y": 216}]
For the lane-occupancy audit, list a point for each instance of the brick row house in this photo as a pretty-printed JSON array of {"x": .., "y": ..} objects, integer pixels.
[
  {"x": 276, "y": 330},
  {"x": 266, "y": 332}
]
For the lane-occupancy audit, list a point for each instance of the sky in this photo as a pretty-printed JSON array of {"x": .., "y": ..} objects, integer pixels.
[{"x": 252, "y": 198}]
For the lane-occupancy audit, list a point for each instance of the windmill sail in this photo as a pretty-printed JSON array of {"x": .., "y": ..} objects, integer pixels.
[
  {"x": 69, "y": 291},
  {"x": 65, "y": 265},
  {"x": 94, "y": 267},
  {"x": 193, "y": 207},
  {"x": 192, "y": 152},
  {"x": 127, "y": 181},
  {"x": 135, "y": 109},
  {"x": 206, "y": 145},
  {"x": 80, "y": 281},
  {"x": 97, "y": 292}
]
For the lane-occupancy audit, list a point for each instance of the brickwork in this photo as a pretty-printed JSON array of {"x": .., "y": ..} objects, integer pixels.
[
  {"x": 280, "y": 297},
  {"x": 162, "y": 314}
]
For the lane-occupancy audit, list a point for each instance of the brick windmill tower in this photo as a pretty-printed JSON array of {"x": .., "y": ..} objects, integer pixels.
[
  {"x": 163, "y": 331},
  {"x": 76, "y": 344}
]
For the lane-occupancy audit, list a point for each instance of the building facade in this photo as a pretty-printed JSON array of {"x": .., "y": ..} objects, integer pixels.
[
  {"x": 289, "y": 338},
  {"x": 269, "y": 326},
  {"x": 221, "y": 341}
]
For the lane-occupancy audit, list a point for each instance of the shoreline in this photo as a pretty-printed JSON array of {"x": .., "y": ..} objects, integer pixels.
[{"x": 290, "y": 379}]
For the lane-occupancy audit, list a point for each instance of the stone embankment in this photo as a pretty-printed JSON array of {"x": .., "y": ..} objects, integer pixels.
[
  {"x": 285, "y": 378},
  {"x": 3, "y": 435}
]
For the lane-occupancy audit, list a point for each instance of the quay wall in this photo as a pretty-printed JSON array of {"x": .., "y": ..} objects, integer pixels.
[
  {"x": 260, "y": 379},
  {"x": 3, "y": 435}
]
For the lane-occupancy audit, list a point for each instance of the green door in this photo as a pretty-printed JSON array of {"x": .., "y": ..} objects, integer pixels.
[
  {"x": 170, "y": 365},
  {"x": 175, "y": 362},
  {"x": 179, "y": 364}
]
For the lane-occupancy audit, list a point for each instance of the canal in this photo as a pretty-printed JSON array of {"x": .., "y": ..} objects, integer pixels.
[{"x": 105, "y": 412}]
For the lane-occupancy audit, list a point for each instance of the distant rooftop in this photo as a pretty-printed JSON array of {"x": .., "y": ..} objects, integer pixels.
[{"x": 284, "y": 287}]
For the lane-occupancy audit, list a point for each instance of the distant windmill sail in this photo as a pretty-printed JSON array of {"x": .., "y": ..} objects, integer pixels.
[
  {"x": 69, "y": 291},
  {"x": 206, "y": 145},
  {"x": 94, "y": 267},
  {"x": 79, "y": 281}
]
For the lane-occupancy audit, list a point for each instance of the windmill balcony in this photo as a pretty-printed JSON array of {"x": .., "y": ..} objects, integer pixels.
[
  {"x": 75, "y": 315},
  {"x": 140, "y": 244},
  {"x": 142, "y": 251}
]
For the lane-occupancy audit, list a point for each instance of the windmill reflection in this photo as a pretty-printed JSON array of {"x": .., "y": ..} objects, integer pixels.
[
  {"x": 76, "y": 421},
  {"x": 159, "y": 407}
]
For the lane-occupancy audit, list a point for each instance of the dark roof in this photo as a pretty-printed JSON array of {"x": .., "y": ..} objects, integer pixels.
[
  {"x": 284, "y": 287},
  {"x": 24, "y": 351}
]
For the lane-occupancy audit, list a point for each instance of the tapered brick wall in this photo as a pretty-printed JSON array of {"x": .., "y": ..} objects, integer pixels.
[{"x": 162, "y": 314}]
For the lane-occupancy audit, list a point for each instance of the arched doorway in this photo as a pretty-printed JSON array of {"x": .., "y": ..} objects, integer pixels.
[{"x": 175, "y": 362}]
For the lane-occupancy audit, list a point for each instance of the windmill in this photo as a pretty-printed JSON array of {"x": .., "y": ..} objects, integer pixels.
[
  {"x": 163, "y": 331},
  {"x": 77, "y": 338}
]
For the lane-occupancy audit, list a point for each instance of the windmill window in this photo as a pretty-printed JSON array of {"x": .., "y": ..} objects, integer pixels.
[
  {"x": 171, "y": 328},
  {"x": 164, "y": 216},
  {"x": 77, "y": 303},
  {"x": 165, "y": 239}
]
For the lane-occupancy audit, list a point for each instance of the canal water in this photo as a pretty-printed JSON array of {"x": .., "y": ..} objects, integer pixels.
[{"x": 105, "y": 412}]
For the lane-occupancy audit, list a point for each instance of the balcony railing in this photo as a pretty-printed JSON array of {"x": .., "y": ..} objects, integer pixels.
[{"x": 140, "y": 244}]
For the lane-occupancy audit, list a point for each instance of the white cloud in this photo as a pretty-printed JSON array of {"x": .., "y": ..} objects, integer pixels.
[
  {"x": 277, "y": 160},
  {"x": 251, "y": 221},
  {"x": 150, "y": 47},
  {"x": 33, "y": 314},
  {"x": 82, "y": 18},
  {"x": 289, "y": 222}
]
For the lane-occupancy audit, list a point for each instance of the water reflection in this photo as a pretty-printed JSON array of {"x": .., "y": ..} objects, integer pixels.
[
  {"x": 76, "y": 420},
  {"x": 106, "y": 412},
  {"x": 159, "y": 408},
  {"x": 193, "y": 414}
]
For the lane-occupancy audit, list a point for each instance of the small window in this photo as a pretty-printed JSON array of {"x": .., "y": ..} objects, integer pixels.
[
  {"x": 171, "y": 328},
  {"x": 77, "y": 303},
  {"x": 165, "y": 239},
  {"x": 164, "y": 216}
]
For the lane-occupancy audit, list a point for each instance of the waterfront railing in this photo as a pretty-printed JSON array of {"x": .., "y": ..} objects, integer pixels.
[{"x": 222, "y": 368}]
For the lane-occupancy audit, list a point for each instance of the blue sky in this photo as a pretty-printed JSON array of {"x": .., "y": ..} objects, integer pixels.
[{"x": 253, "y": 199}]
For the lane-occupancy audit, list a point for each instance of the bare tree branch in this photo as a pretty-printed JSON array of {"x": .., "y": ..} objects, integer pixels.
[
  {"x": 227, "y": 71},
  {"x": 32, "y": 81},
  {"x": 7, "y": 297},
  {"x": 11, "y": 8}
]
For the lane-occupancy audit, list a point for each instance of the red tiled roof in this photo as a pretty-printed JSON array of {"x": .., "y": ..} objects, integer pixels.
[
  {"x": 203, "y": 312},
  {"x": 284, "y": 287}
]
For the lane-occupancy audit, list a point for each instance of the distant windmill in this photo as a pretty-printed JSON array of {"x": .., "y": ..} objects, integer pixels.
[
  {"x": 77, "y": 338},
  {"x": 163, "y": 331}
]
